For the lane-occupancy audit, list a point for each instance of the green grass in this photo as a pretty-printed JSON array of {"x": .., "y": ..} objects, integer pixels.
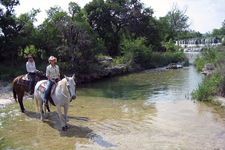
[
  {"x": 208, "y": 89},
  {"x": 214, "y": 84}
]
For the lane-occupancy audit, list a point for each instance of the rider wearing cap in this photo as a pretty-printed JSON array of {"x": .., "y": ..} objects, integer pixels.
[{"x": 53, "y": 74}]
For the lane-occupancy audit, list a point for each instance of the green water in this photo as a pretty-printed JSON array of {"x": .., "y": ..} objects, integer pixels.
[
  {"x": 149, "y": 85},
  {"x": 146, "y": 110}
]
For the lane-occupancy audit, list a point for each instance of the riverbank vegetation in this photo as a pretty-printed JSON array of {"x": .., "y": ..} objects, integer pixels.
[
  {"x": 213, "y": 85},
  {"x": 126, "y": 31}
]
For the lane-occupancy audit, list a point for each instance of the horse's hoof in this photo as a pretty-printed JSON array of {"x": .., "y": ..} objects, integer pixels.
[
  {"x": 23, "y": 111},
  {"x": 66, "y": 127}
]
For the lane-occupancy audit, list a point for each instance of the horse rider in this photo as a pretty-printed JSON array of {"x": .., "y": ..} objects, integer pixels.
[
  {"x": 53, "y": 75},
  {"x": 31, "y": 69}
]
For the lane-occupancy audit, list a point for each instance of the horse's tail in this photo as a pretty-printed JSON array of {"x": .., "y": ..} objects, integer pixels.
[
  {"x": 36, "y": 103},
  {"x": 14, "y": 93}
]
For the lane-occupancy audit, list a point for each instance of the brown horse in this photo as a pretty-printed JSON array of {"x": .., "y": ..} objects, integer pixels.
[{"x": 19, "y": 89}]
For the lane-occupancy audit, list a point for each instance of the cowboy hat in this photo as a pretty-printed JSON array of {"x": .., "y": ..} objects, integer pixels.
[{"x": 52, "y": 58}]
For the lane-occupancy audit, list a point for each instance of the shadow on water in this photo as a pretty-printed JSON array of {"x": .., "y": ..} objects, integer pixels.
[{"x": 73, "y": 131}]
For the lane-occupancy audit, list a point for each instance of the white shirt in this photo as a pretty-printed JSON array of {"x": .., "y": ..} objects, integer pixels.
[
  {"x": 52, "y": 72},
  {"x": 31, "y": 68}
]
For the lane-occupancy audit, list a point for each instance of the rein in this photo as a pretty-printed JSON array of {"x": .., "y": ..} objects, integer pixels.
[{"x": 69, "y": 93}]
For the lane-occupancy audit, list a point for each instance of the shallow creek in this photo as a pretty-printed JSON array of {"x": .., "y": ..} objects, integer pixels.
[{"x": 151, "y": 109}]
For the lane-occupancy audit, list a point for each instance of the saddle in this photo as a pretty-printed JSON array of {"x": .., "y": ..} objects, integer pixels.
[
  {"x": 42, "y": 88},
  {"x": 24, "y": 80}
]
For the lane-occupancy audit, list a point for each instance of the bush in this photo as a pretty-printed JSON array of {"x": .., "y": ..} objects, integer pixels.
[
  {"x": 136, "y": 49},
  {"x": 215, "y": 84},
  {"x": 200, "y": 63},
  {"x": 7, "y": 72},
  {"x": 208, "y": 56},
  {"x": 223, "y": 43},
  {"x": 208, "y": 88},
  {"x": 135, "y": 52},
  {"x": 170, "y": 47}
]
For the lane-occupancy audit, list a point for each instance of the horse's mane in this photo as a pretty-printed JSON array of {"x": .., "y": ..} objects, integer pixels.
[{"x": 62, "y": 82}]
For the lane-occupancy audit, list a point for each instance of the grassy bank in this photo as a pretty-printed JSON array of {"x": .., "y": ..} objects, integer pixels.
[
  {"x": 131, "y": 61},
  {"x": 155, "y": 59},
  {"x": 214, "y": 84}
]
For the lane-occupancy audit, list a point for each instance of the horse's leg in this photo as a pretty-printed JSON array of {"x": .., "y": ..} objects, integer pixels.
[
  {"x": 20, "y": 99},
  {"x": 40, "y": 103},
  {"x": 61, "y": 118},
  {"x": 45, "y": 110},
  {"x": 48, "y": 108},
  {"x": 65, "y": 113}
]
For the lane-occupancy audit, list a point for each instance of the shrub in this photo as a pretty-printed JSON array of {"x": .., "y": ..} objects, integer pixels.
[
  {"x": 7, "y": 72},
  {"x": 208, "y": 88},
  {"x": 200, "y": 63},
  {"x": 135, "y": 52},
  {"x": 170, "y": 47},
  {"x": 223, "y": 43}
]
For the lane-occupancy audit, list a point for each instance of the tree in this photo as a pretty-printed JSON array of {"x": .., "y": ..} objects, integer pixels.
[
  {"x": 217, "y": 32},
  {"x": 27, "y": 31},
  {"x": 9, "y": 30},
  {"x": 170, "y": 47},
  {"x": 74, "y": 10},
  {"x": 76, "y": 42},
  {"x": 188, "y": 35},
  {"x": 47, "y": 37},
  {"x": 101, "y": 21},
  {"x": 53, "y": 11},
  {"x": 114, "y": 18},
  {"x": 177, "y": 20},
  {"x": 223, "y": 28}
]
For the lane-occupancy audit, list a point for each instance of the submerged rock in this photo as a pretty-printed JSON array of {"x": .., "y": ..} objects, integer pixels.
[{"x": 175, "y": 66}]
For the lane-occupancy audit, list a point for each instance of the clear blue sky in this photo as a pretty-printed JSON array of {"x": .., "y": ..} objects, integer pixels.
[{"x": 204, "y": 15}]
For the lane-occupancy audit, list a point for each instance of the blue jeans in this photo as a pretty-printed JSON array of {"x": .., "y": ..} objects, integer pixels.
[
  {"x": 47, "y": 90},
  {"x": 31, "y": 84}
]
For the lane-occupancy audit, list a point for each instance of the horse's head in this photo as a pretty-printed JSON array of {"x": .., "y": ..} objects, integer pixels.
[{"x": 71, "y": 86}]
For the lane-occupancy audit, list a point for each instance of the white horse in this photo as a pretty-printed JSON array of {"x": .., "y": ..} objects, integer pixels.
[{"x": 65, "y": 92}]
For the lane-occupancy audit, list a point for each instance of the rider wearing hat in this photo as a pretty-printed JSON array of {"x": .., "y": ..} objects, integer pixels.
[
  {"x": 31, "y": 69},
  {"x": 52, "y": 73}
]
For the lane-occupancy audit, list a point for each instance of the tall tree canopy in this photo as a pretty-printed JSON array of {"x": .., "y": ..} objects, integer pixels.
[
  {"x": 9, "y": 30},
  {"x": 112, "y": 17},
  {"x": 177, "y": 21}
]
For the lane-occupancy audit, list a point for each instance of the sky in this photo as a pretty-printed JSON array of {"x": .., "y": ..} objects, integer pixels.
[{"x": 204, "y": 15}]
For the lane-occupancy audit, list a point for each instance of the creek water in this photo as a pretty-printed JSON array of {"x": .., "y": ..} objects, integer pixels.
[{"x": 151, "y": 109}]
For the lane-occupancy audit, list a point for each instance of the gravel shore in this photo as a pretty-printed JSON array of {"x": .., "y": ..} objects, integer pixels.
[{"x": 6, "y": 95}]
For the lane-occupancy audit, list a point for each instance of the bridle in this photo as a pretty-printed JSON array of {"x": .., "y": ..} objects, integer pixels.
[{"x": 68, "y": 88}]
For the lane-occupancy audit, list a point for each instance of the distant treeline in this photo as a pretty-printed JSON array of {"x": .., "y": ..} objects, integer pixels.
[{"x": 121, "y": 29}]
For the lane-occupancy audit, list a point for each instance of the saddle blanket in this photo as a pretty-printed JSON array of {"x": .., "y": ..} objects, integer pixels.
[
  {"x": 43, "y": 85},
  {"x": 42, "y": 88}
]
